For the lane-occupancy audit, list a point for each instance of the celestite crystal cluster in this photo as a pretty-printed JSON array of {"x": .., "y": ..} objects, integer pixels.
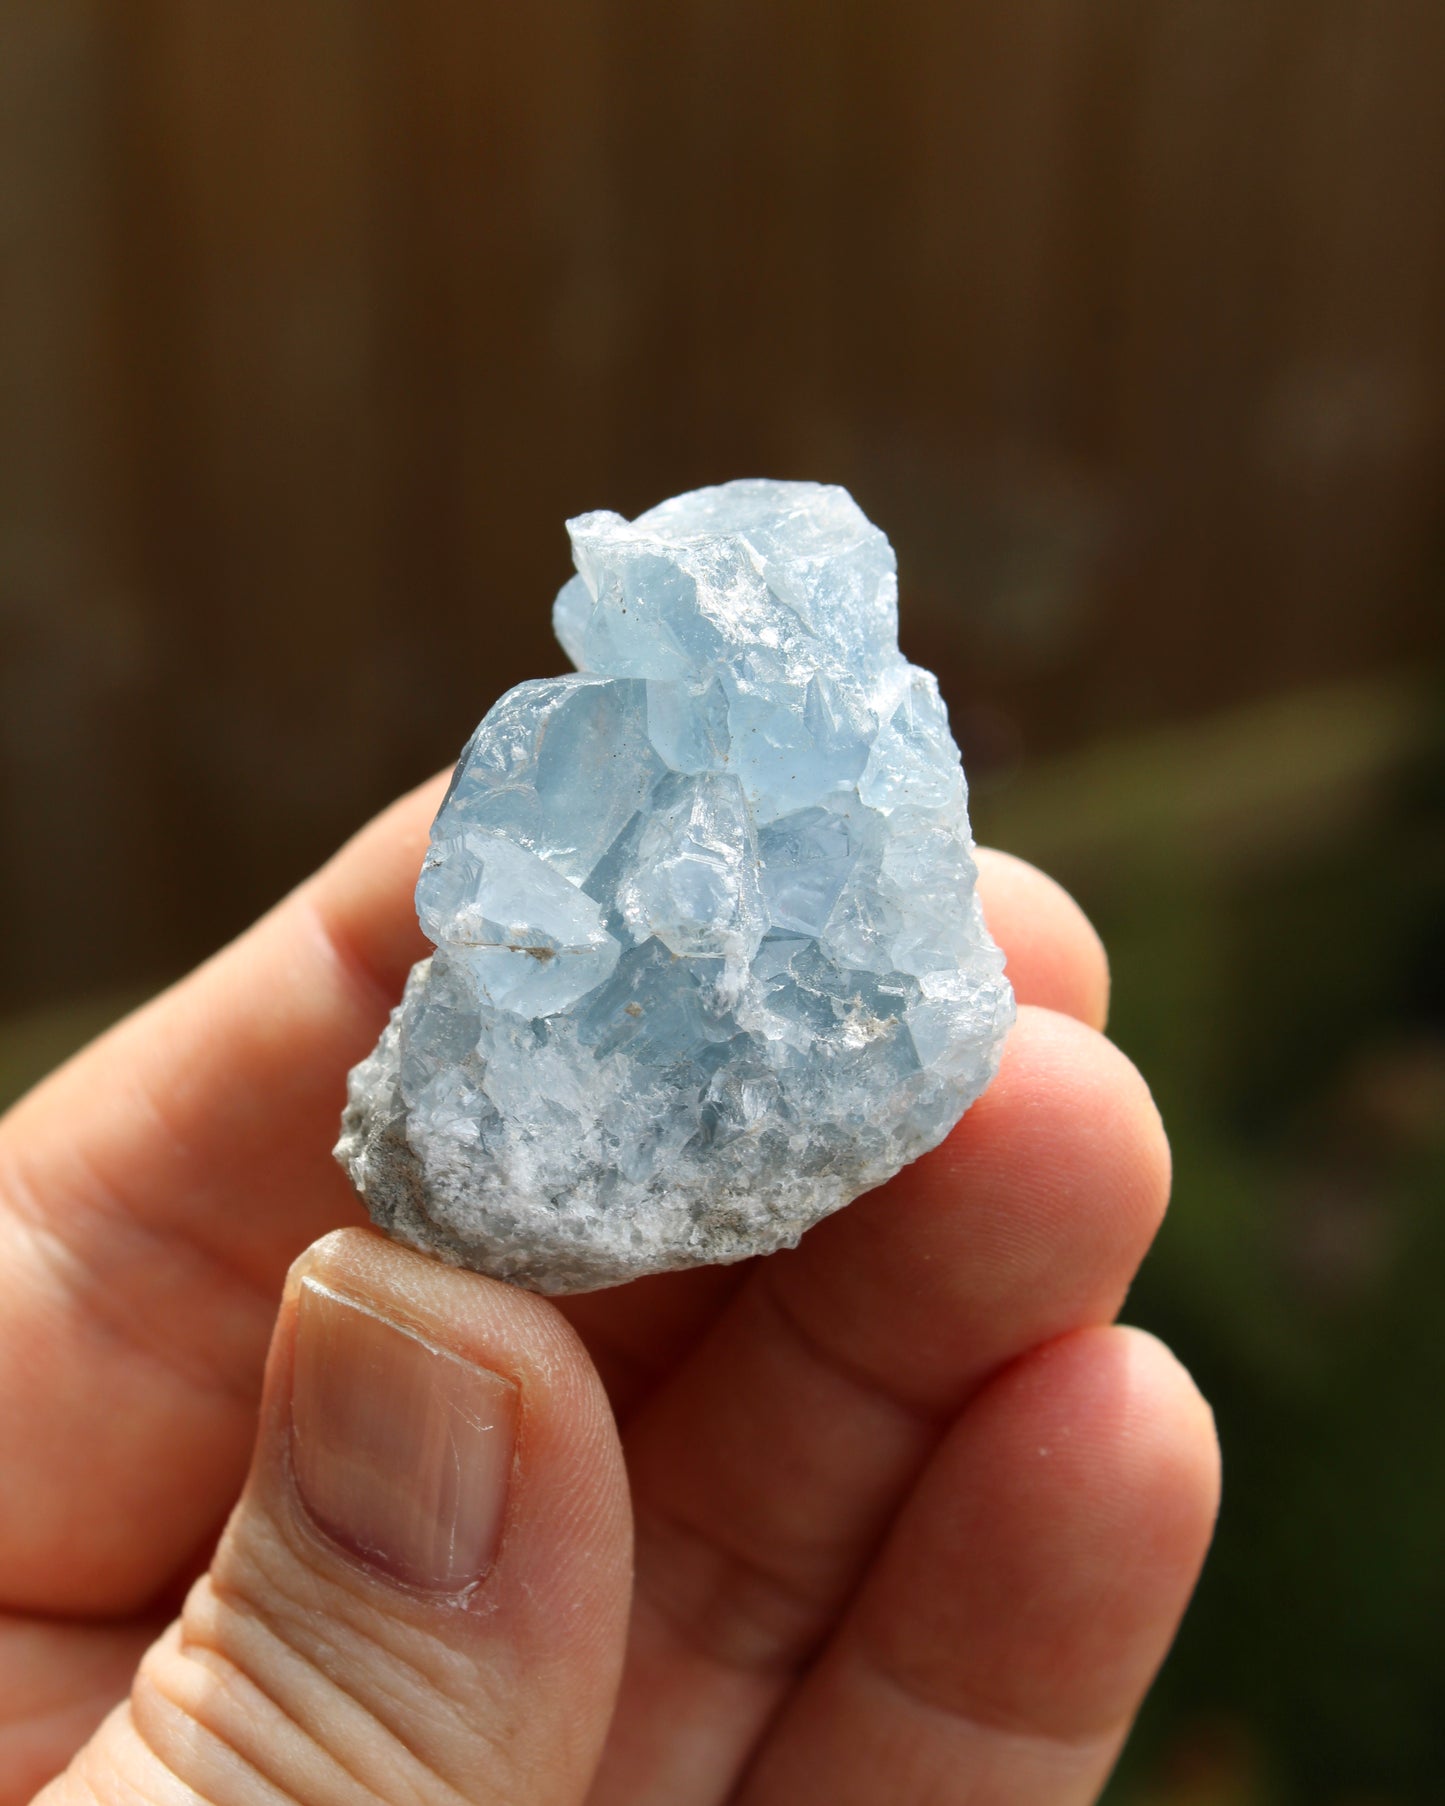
[{"x": 709, "y": 961}]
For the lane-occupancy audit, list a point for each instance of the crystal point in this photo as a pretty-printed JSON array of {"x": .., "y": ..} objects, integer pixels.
[{"x": 709, "y": 960}]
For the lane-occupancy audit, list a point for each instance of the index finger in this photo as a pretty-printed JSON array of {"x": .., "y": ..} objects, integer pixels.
[
  {"x": 154, "y": 1191},
  {"x": 1055, "y": 958}
]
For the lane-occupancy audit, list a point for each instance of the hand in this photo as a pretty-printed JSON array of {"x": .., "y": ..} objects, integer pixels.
[{"x": 913, "y": 1522}]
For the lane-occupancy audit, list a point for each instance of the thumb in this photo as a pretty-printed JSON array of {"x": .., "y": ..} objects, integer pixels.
[{"x": 422, "y": 1595}]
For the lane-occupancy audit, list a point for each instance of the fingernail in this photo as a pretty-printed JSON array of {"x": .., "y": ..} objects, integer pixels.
[{"x": 401, "y": 1451}]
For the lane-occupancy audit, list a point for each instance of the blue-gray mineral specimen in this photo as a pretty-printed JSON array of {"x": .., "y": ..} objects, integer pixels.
[{"x": 709, "y": 961}]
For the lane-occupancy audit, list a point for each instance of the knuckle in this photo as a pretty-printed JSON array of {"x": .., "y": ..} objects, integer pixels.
[{"x": 274, "y": 1681}]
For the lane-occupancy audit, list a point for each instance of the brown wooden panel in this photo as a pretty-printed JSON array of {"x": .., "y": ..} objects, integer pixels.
[{"x": 1124, "y": 318}]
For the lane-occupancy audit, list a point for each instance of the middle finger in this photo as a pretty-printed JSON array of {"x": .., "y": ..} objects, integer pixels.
[
  {"x": 639, "y": 1334},
  {"x": 767, "y": 1470}
]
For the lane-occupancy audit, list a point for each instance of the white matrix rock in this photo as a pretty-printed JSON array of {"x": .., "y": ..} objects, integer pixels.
[{"x": 709, "y": 961}]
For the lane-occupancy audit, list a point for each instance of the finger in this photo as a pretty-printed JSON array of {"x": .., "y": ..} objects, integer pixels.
[
  {"x": 1055, "y": 956},
  {"x": 152, "y": 1193},
  {"x": 765, "y": 1472},
  {"x": 1007, "y": 1635},
  {"x": 1055, "y": 959},
  {"x": 422, "y": 1594}
]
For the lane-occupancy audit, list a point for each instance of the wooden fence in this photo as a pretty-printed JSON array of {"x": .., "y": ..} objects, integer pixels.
[{"x": 1125, "y": 317}]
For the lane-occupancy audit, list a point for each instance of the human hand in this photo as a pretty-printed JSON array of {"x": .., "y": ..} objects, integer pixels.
[{"x": 913, "y": 1522}]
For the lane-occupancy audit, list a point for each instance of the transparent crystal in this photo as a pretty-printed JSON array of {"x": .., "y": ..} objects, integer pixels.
[{"x": 709, "y": 960}]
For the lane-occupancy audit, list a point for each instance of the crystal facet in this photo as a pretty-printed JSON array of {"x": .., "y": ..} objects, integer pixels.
[{"x": 709, "y": 962}]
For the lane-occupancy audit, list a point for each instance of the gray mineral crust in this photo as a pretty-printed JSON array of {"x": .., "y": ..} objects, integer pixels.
[{"x": 709, "y": 960}]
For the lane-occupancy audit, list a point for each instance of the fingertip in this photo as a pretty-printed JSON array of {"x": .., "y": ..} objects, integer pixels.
[
  {"x": 362, "y": 896},
  {"x": 566, "y": 1435},
  {"x": 479, "y": 1317},
  {"x": 407, "y": 819},
  {"x": 1110, "y": 1418},
  {"x": 317, "y": 1259},
  {"x": 1165, "y": 1406},
  {"x": 427, "y": 1575},
  {"x": 1073, "y": 1113},
  {"x": 1067, "y": 1512},
  {"x": 1055, "y": 956}
]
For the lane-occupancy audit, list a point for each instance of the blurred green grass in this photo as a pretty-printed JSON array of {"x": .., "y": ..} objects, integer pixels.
[{"x": 1271, "y": 885}]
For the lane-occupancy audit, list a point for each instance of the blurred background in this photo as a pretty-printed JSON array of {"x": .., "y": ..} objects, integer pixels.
[{"x": 1125, "y": 318}]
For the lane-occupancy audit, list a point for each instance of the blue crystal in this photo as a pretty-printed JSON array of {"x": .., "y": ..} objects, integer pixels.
[{"x": 709, "y": 959}]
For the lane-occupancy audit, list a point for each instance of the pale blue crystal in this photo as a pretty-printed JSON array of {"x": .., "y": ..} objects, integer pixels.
[{"x": 709, "y": 960}]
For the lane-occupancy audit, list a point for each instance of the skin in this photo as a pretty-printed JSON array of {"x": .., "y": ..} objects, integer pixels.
[{"x": 900, "y": 1516}]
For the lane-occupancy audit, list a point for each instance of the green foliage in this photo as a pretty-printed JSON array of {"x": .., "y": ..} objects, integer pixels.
[{"x": 1282, "y": 992}]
